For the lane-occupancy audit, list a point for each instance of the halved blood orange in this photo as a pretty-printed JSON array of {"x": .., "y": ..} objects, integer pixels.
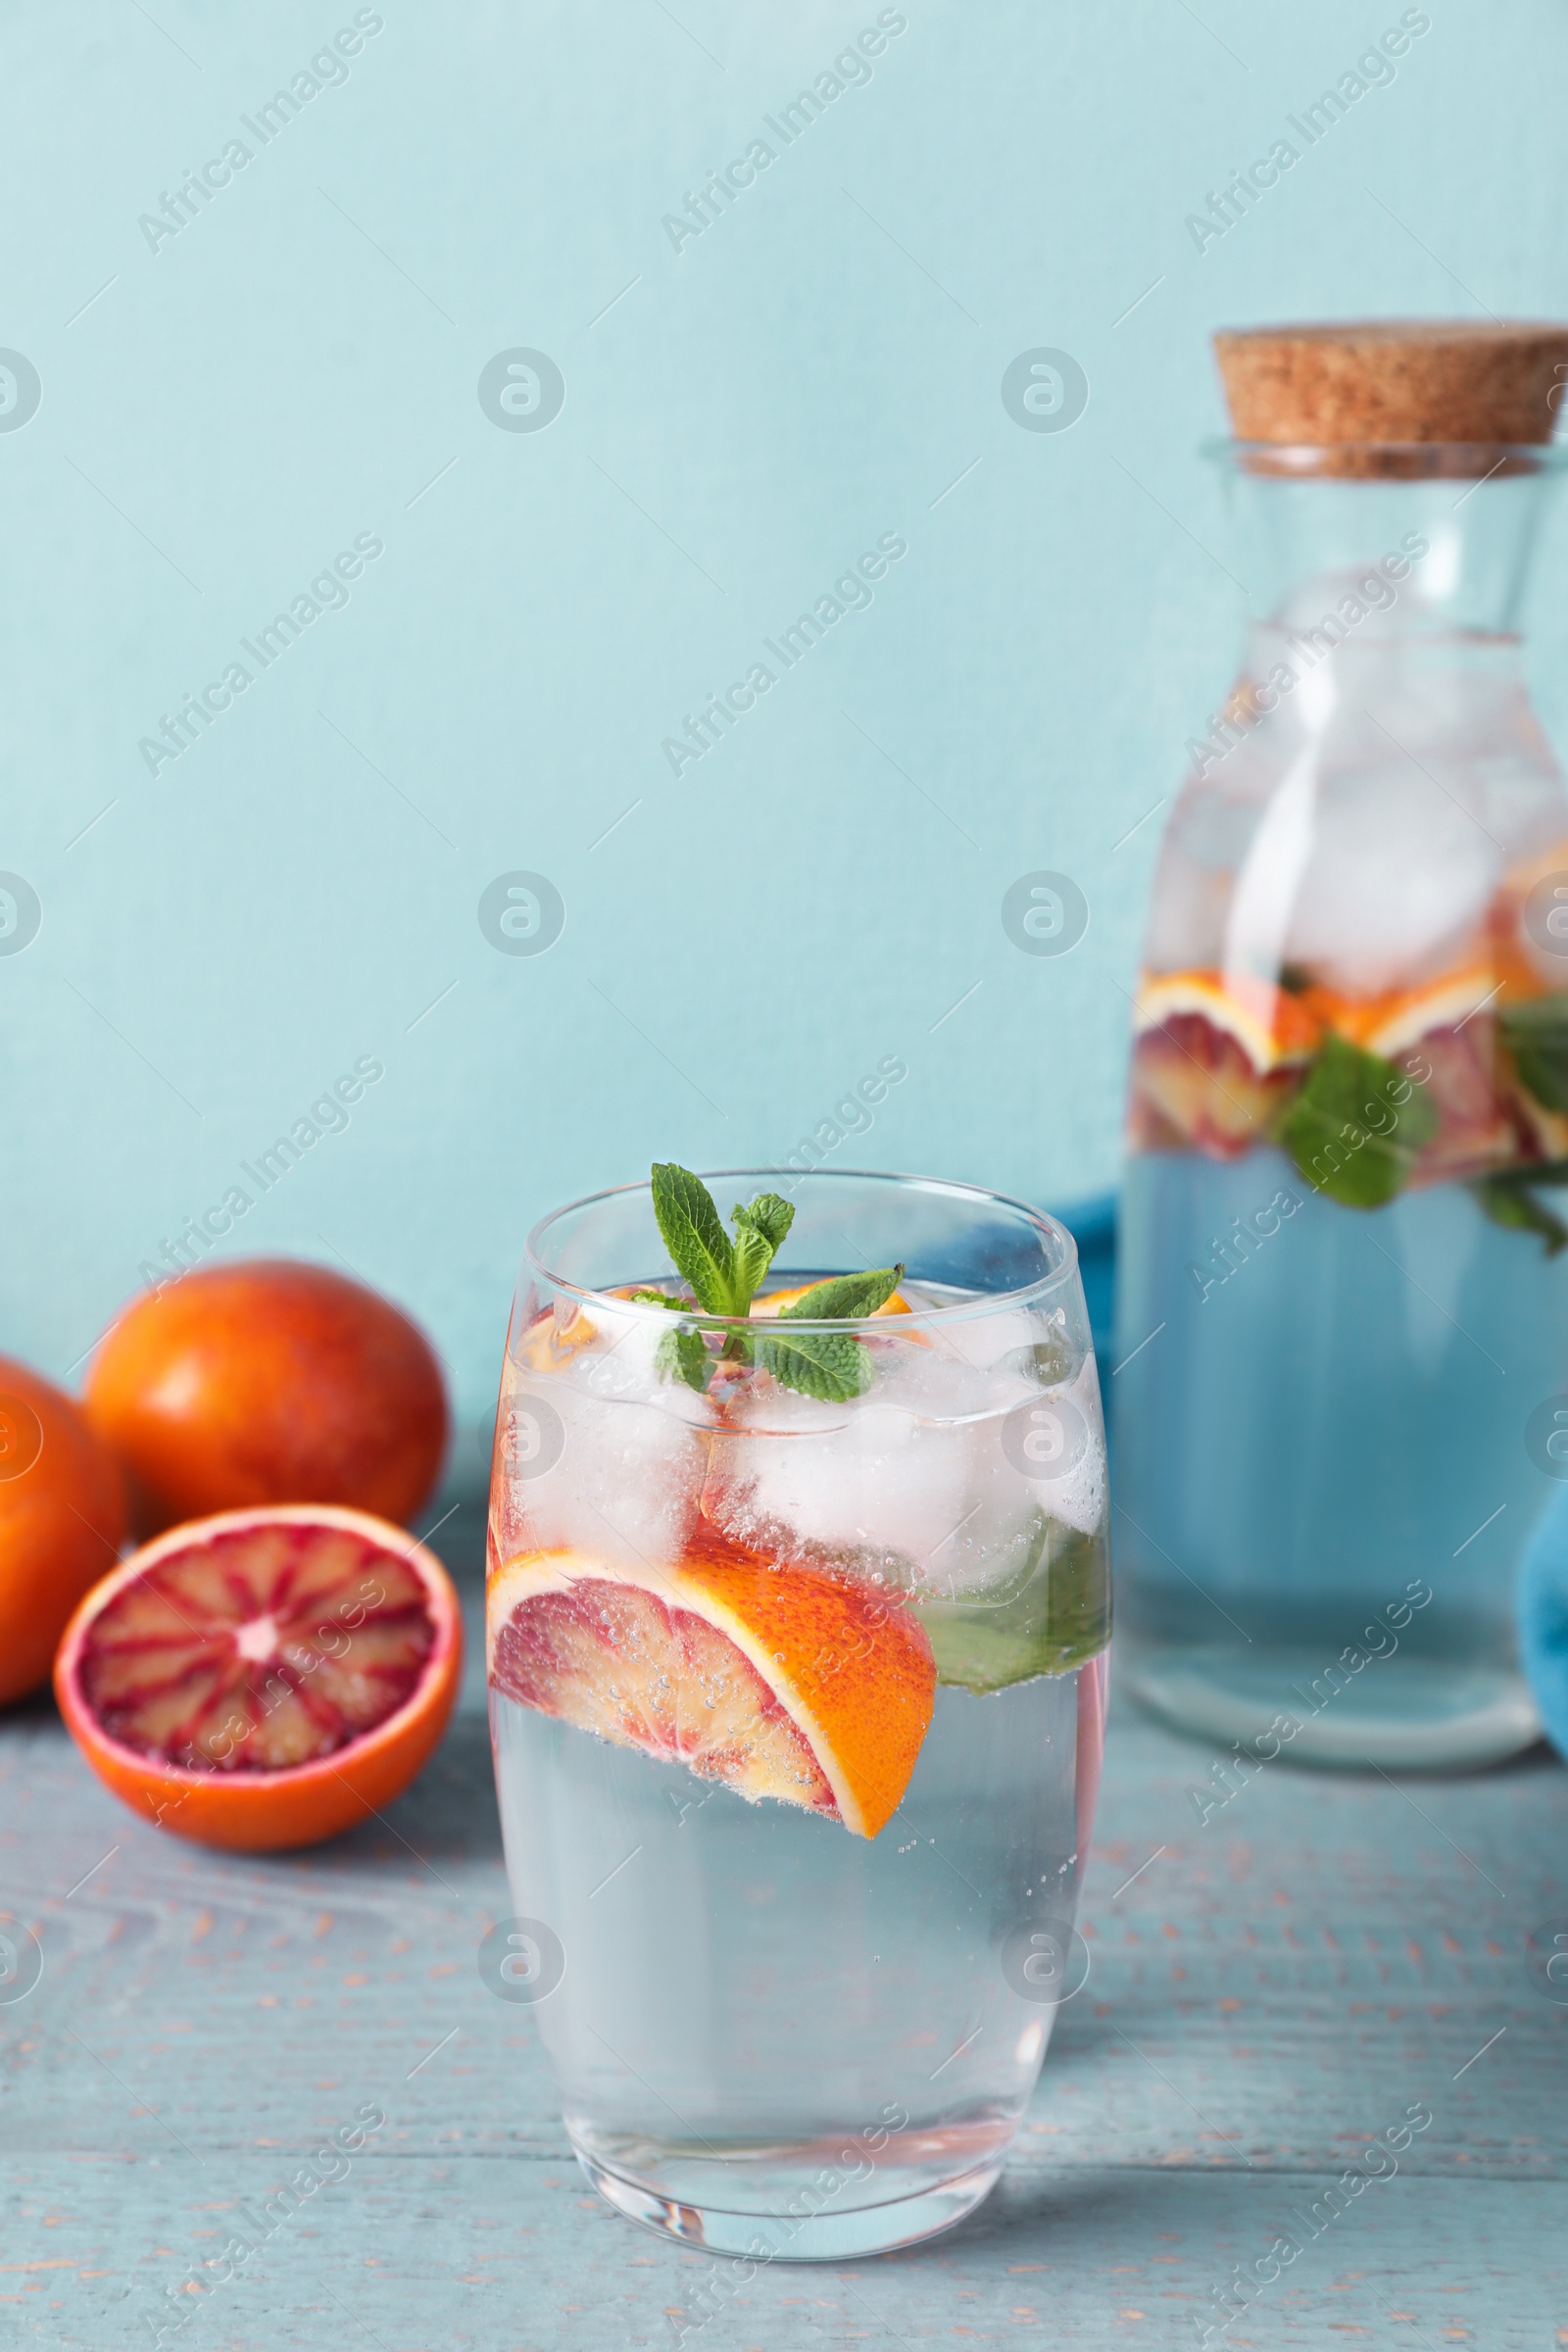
[
  {"x": 786, "y": 1682},
  {"x": 263, "y": 1678}
]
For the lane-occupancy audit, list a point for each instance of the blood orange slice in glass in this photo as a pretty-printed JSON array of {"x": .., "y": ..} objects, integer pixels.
[
  {"x": 787, "y": 1683},
  {"x": 263, "y": 1678}
]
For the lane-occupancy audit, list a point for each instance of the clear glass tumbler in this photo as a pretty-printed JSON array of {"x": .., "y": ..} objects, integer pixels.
[
  {"x": 1343, "y": 1326},
  {"x": 798, "y": 1708}
]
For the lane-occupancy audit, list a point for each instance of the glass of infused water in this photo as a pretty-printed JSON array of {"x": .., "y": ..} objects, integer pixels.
[{"x": 797, "y": 1612}]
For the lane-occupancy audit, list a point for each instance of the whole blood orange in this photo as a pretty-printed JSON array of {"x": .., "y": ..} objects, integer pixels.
[
  {"x": 268, "y": 1381},
  {"x": 263, "y": 1678},
  {"x": 62, "y": 1518}
]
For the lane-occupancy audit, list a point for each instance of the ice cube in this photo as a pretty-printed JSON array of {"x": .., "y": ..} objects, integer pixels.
[
  {"x": 601, "y": 1451},
  {"x": 908, "y": 1483},
  {"x": 1399, "y": 876},
  {"x": 1034, "y": 1342},
  {"x": 1078, "y": 1496}
]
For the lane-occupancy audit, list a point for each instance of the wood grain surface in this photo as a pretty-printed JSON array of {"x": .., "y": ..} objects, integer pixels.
[{"x": 1269, "y": 1994}]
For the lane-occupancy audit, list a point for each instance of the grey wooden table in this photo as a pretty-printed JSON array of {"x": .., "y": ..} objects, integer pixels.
[{"x": 1271, "y": 1994}]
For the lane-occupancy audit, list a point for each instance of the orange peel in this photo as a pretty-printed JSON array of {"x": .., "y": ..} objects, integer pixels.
[{"x": 791, "y": 1683}]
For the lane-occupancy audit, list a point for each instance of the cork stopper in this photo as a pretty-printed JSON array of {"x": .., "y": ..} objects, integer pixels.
[{"x": 1468, "y": 384}]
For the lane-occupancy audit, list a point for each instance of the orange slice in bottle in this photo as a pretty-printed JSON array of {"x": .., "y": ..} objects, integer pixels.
[
  {"x": 263, "y": 1678},
  {"x": 1269, "y": 1024},
  {"x": 1392, "y": 1023},
  {"x": 1213, "y": 1060},
  {"x": 780, "y": 1681}
]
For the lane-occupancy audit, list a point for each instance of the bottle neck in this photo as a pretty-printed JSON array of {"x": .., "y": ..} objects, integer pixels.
[{"x": 1389, "y": 560}]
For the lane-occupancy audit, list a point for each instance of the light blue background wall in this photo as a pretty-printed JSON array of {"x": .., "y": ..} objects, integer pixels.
[{"x": 741, "y": 417}]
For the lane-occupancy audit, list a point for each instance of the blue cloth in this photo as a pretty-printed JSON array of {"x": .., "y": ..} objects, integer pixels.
[{"x": 1544, "y": 1618}]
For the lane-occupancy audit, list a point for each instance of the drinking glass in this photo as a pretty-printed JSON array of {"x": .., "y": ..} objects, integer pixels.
[{"x": 798, "y": 1709}]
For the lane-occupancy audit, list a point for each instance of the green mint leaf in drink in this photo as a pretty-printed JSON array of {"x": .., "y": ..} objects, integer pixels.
[
  {"x": 754, "y": 1254},
  {"x": 681, "y": 1355},
  {"x": 696, "y": 1240},
  {"x": 649, "y": 1298},
  {"x": 1354, "y": 1129},
  {"x": 769, "y": 1214},
  {"x": 1536, "y": 1036},
  {"x": 831, "y": 1366},
  {"x": 759, "y": 1231},
  {"x": 725, "y": 1277},
  {"x": 1513, "y": 1204},
  {"x": 847, "y": 1297}
]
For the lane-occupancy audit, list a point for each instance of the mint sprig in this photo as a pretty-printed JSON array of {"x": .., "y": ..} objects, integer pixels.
[
  {"x": 1362, "y": 1165},
  {"x": 725, "y": 1277}
]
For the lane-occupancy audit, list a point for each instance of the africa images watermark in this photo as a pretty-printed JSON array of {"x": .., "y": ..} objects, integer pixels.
[
  {"x": 1378, "y": 2161},
  {"x": 21, "y": 913},
  {"x": 1375, "y": 590},
  {"x": 326, "y": 593},
  {"x": 255, "y": 2230},
  {"x": 851, "y": 593},
  {"x": 1228, "y": 1257},
  {"x": 852, "y": 1114},
  {"x": 328, "y": 69},
  {"x": 850, "y": 69},
  {"x": 1327, "y": 1166},
  {"x": 329, "y": 1114},
  {"x": 855, "y": 2161},
  {"x": 1373, "y": 70},
  {"x": 21, "y": 391},
  {"x": 1382, "y": 1640}
]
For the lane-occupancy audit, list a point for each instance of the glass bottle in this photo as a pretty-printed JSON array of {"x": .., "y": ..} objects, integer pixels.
[{"x": 1343, "y": 1323}]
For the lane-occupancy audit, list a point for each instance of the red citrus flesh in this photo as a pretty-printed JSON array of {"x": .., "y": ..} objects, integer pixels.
[
  {"x": 584, "y": 1656},
  {"x": 263, "y": 1678},
  {"x": 1194, "y": 1083},
  {"x": 792, "y": 1683}
]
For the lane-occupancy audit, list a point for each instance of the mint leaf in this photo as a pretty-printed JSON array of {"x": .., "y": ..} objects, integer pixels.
[
  {"x": 832, "y": 1365},
  {"x": 692, "y": 1233},
  {"x": 850, "y": 1296},
  {"x": 1509, "y": 1202},
  {"x": 723, "y": 1276},
  {"x": 1356, "y": 1125},
  {"x": 676, "y": 1307},
  {"x": 828, "y": 1364},
  {"x": 1535, "y": 1034},
  {"x": 769, "y": 1214},
  {"x": 681, "y": 1355},
  {"x": 759, "y": 1231},
  {"x": 754, "y": 1254}
]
